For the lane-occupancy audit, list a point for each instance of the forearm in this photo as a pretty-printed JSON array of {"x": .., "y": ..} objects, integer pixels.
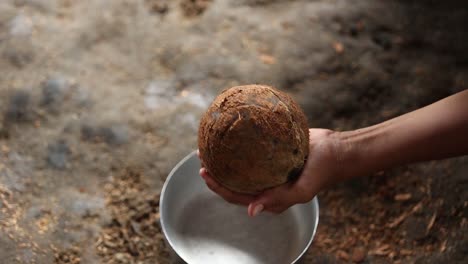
[{"x": 434, "y": 132}]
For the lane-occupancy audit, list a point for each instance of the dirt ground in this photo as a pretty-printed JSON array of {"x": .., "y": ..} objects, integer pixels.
[{"x": 100, "y": 99}]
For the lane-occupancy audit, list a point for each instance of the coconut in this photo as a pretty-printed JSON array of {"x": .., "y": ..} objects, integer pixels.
[{"x": 252, "y": 138}]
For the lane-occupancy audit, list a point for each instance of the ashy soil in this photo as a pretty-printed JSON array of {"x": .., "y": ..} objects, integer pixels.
[{"x": 99, "y": 99}]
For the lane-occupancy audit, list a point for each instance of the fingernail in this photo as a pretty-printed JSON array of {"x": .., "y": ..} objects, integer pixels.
[{"x": 257, "y": 209}]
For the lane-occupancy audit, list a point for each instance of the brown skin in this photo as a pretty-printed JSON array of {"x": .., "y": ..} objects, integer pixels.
[{"x": 437, "y": 131}]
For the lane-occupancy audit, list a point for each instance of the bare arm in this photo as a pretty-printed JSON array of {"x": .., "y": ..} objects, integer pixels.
[{"x": 437, "y": 131}]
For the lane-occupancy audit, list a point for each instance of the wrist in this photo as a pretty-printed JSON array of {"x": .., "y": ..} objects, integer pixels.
[
  {"x": 358, "y": 152},
  {"x": 346, "y": 154}
]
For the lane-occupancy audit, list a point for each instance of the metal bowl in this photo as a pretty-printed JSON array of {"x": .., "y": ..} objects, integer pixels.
[{"x": 202, "y": 228}]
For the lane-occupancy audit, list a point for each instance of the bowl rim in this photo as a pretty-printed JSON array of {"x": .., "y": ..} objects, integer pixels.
[{"x": 162, "y": 217}]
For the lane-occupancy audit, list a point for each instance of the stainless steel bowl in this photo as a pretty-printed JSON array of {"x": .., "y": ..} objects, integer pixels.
[{"x": 202, "y": 228}]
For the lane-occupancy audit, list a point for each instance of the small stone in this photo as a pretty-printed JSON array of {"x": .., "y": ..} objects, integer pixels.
[
  {"x": 115, "y": 134},
  {"x": 192, "y": 8},
  {"x": 85, "y": 206},
  {"x": 41, "y": 5},
  {"x": 89, "y": 132},
  {"x": 81, "y": 97},
  {"x": 19, "y": 107},
  {"x": 158, "y": 6},
  {"x": 58, "y": 155},
  {"x": 77, "y": 205},
  {"x": 53, "y": 91},
  {"x": 19, "y": 54},
  {"x": 359, "y": 254},
  {"x": 20, "y": 25},
  {"x": 159, "y": 94}
]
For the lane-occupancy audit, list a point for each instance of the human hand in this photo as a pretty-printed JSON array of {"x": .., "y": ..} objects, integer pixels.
[{"x": 320, "y": 170}]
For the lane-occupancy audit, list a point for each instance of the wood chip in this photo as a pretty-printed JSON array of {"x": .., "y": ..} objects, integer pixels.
[
  {"x": 383, "y": 250},
  {"x": 406, "y": 252},
  {"x": 5, "y": 149},
  {"x": 338, "y": 47},
  {"x": 157, "y": 216},
  {"x": 110, "y": 244},
  {"x": 431, "y": 222},
  {"x": 443, "y": 247},
  {"x": 5, "y": 190},
  {"x": 398, "y": 220},
  {"x": 267, "y": 59},
  {"x": 417, "y": 207},
  {"x": 402, "y": 197}
]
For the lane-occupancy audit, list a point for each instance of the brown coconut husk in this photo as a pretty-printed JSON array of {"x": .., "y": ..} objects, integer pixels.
[{"x": 253, "y": 137}]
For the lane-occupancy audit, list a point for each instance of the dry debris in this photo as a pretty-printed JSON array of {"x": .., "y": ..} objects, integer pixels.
[
  {"x": 379, "y": 225},
  {"x": 11, "y": 214},
  {"x": 194, "y": 7},
  {"x": 67, "y": 256},
  {"x": 431, "y": 222},
  {"x": 134, "y": 235},
  {"x": 402, "y": 197},
  {"x": 267, "y": 59},
  {"x": 158, "y": 6},
  {"x": 338, "y": 47}
]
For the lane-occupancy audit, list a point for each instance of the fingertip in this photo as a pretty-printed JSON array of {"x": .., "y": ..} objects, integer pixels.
[
  {"x": 204, "y": 172},
  {"x": 257, "y": 209},
  {"x": 250, "y": 209}
]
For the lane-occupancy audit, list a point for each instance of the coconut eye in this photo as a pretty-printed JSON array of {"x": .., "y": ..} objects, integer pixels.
[{"x": 294, "y": 174}]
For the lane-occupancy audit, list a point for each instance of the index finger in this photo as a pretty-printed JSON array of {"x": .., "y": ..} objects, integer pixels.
[{"x": 226, "y": 194}]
